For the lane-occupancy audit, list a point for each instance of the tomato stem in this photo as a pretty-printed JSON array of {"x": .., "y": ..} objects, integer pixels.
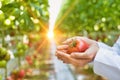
[{"x": 73, "y": 43}]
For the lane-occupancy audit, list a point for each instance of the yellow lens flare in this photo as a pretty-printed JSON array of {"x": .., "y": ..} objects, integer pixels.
[{"x": 50, "y": 34}]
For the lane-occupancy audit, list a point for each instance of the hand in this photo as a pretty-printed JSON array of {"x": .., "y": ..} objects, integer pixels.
[{"x": 77, "y": 58}]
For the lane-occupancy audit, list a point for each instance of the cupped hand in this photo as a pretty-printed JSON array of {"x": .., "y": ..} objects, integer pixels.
[{"x": 77, "y": 58}]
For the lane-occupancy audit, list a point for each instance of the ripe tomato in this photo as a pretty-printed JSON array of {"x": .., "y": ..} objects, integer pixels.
[
  {"x": 28, "y": 58},
  {"x": 77, "y": 46},
  {"x": 21, "y": 73}
]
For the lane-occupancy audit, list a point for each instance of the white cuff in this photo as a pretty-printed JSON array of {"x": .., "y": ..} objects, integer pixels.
[{"x": 106, "y": 63}]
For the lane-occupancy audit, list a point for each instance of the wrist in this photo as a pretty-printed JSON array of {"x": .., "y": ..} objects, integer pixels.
[{"x": 96, "y": 48}]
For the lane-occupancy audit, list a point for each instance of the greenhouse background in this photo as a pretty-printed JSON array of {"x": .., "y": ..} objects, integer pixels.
[{"x": 30, "y": 31}]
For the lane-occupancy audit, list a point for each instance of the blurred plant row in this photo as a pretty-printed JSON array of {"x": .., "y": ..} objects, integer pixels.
[
  {"x": 23, "y": 21},
  {"x": 22, "y": 16},
  {"x": 21, "y": 26},
  {"x": 19, "y": 20},
  {"x": 97, "y": 19}
]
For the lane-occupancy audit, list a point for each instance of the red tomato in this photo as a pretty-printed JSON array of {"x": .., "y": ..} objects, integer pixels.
[
  {"x": 21, "y": 73},
  {"x": 28, "y": 58},
  {"x": 30, "y": 62},
  {"x": 77, "y": 46}
]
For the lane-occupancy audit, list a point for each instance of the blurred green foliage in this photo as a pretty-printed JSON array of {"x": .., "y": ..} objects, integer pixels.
[
  {"x": 96, "y": 19},
  {"x": 22, "y": 16}
]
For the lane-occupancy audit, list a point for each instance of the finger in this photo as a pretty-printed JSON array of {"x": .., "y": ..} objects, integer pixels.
[
  {"x": 78, "y": 55},
  {"x": 88, "y": 41},
  {"x": 74, "y": 38},
  {"x": 65, "y": 51},
  {"x": 64, "y": 56},
  {"x": 67, "y": 58},
  {"x": 79, "y": 62},
  {"x": 62, "y": 47},
  {"x": 60, "y": 54},
  {"x": 57, "y": 52},
  {"x": 91, "y": 51},
  {"x": 67, "y": 62},
  {"x": 59, "y": 58},
  {"x": 70, "y": 40}
]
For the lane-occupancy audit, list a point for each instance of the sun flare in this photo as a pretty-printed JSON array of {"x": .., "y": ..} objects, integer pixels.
[{"x": 50, "y": 34}]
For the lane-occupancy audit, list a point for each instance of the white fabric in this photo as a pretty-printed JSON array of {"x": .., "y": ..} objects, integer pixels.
[{"x": 107, "y": 61}]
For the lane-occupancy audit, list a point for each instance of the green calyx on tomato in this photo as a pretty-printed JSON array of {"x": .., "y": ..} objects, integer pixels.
[{"x": 77, "y": 46}]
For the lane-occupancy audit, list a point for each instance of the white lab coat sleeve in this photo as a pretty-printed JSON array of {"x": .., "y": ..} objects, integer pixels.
[
  {"x": 107, "y": 61},
  {"x": 116, "y": 46}
]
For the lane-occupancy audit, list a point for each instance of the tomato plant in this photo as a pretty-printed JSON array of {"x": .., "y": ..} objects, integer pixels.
[
  {"x": 3, "y": 64},
  {"x": 93, "y": 18},
  {"x": 4, "y": 55}
]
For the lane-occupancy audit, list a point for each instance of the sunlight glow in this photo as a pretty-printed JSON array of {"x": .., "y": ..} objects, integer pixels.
[
  {"x": 50, "y": 34},
  {"x": 54, "y": 9}
]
